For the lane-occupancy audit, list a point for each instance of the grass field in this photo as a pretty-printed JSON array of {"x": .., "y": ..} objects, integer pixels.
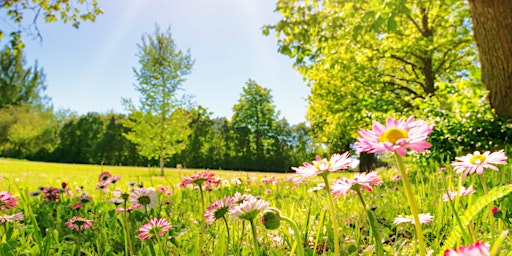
[{"x": 113, "y": 232}]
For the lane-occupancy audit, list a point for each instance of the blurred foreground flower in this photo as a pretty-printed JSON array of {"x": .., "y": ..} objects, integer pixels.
[
  {"x": 424, "y": 218},
  {"x": 7, "y": 200},
  {"x": 10, "y": 218},
  {"x": 476, "y": 249}
]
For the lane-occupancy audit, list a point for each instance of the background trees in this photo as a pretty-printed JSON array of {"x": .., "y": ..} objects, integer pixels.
[{"x": 159, "y": 124}]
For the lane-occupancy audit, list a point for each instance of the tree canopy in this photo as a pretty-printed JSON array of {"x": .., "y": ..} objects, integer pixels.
[
  {"x": 159, "y": 123},
  {"x": 368, "y": 59}
]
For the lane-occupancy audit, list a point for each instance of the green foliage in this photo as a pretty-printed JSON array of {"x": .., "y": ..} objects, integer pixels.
[
  {"x": 365, "y": 60},
  {"x": 20, "y": 84},
  {"x": 473, "y": 211},
  {"x": 159, "y": 124},
  {"x": 24, "y": 15}
]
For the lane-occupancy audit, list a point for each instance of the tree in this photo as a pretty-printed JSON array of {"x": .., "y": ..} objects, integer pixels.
[
  {"x": 23, "y": 16},
  {"x": 367, "y": 59},
  {"x": 19, "y": 84},
  {"x": 492, "y": 26},
  {"x": 159, "y": 124},
  {"x": 254, "y": 121}
]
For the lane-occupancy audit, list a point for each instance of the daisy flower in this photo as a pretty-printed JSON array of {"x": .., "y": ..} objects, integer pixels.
[
  {"x": 51, "y": 194},
  {"x": 103, "y": 185},
  {"x": 453, "y": 194},
  {"x": 424, "y": 219},
  {"x": 323, "y": 166},
  {"x": 198, "y": 178},
  {"x": 104, "y": 176},
  {"x": 79, "y": 223},
  {"x": 360, "y": 181},
  {"x": 218, "y": 209},
  {"x": 162, "y": 189},
  {"x": 477, "y": 162},
  {"x": 114, "y": 179},
  {"x": 248, "y": 210},
  {"x": 236, "y": 181},
  {"x": 319, "y": 186},
  {"x": 7, "y": 200},
  {"x": 11, "y": 218},
  {"x": 476, "y": 249},
  {"x": 239, "y": 198},
  {"x": 84, "y": 198},
  {"x": 144, "y": 196},
  {"x": 395, "y": 136},
  {"x": 155, "y": 227}
]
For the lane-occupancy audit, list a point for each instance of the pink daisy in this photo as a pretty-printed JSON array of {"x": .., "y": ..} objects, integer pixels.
[
  {"x": 144, "y": 196},
  {"x": 11, "y": 218},
  {"x": 198, "y": 178},
  {"x": 248, "y": 210},
  {"x": 218, "y": 209},
  {"x": 424, "y": 218},
  {"x": 476, "y": 162},
  {"x": 476, "y": 249},
  {"x": 319, "y": 186},
  {"x": 322, "y": 166},
  {"x": 453, "y": 194},
  {"x": 103, "y": 185},
  {"x": 396, "y": 135},
  {"x": 84, "y": 198},
  {"x": 7, "y": 200},
  {"x": 162, "y": 189},
  {"x": 104, "y": 176},
  {"x": 79, "y": 223},
  {"x": 360, "y": 181},
  {"x": 51, "y": 194},
  {"x": 155, "y": 227},
  {"x": 114, "y": 179}
]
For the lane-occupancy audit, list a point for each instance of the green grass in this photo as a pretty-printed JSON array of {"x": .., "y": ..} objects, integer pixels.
[{"x": 43, "y": 232}]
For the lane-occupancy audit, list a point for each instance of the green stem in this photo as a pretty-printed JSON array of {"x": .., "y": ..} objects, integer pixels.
[
  {"x": 200, "y": 248},
  {"x": 489, "y": 207},
  {"x": 227, "y": 229},
  {"x": 255, "y": 239},
  {"x": 456, "y": 216},
  {"x": 373, "y": 225},
  {"x": 412, "y": 203},
  {"x": 297, "y": 233},
  {"x": 333, "y": 216}
]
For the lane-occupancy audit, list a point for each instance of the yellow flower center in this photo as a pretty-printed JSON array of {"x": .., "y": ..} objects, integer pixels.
[
  {"x": 477, "y": 159},
  {"x": 393, "y": 135}
]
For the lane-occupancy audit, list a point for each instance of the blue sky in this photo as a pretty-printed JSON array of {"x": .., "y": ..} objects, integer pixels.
[{"x": 90, "y": 69}]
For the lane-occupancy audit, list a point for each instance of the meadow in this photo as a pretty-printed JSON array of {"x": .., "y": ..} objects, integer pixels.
[{"x": 460, "y": 207}]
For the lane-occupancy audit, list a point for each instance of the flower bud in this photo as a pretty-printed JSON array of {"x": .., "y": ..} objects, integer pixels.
[{"x": 271, "y": 218}]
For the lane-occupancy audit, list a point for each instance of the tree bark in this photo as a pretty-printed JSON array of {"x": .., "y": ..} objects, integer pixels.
[{"x": 492, "y": 27}]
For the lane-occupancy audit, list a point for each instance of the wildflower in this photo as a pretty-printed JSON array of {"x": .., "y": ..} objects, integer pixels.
[
  {"x": 79, "y": 223},
  {"x": 162, "y": 189},
  {"x": 104, "y": 176},
  {"x": 166, "y": 202},
  {"x": 116, "y": 201},
  {"x": 271, "y": 180},
  {"x": 84, "y": 198},
  {"x": 129, "y": 208},
  {"x": 360, "y": 180},
  {"x": 319, "y": 186},
  {"x": 248, "y": 210},
  {"x": 476, "y": 162},
  {"x": 453, "y": 194},
  {"x": 476, "y": 249},
  {"x": 103, "y": 185},
  {"x": 131, "y": 183},
  {"x": 323, "y": 166},
  {"x": 114, "y": 179},
  {"x": 169, "y": 193},
  {"x": 494, "y": 210},
  {"x": 395, "y": 136},
  {"x": 7, "y": 200},
  {"x": 51, "y": 194},
  {"x": 155, "y": 227},
  {"x": 198, "y": 178},
  {"x": 236, "y": 181},
  {"x": 144, "y": 196},
  {"x": 424, "y": 218},
  {"x": 271, "y": 218},
  {"x": 11, "y": 218},
  {"x": 76, "y": 206},
  {"x": 218, "y": 209},
  {"x": 34, "y": 193},
  {"x": 239, "y": 198},
  {"x": 396, "y": 178}
]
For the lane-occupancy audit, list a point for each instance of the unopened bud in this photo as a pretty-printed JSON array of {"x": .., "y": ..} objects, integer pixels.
[{"x": 271, "y": 218}]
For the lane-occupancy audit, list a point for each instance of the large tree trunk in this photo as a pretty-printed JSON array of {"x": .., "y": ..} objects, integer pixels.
[{"x": 492, "y": 27}]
